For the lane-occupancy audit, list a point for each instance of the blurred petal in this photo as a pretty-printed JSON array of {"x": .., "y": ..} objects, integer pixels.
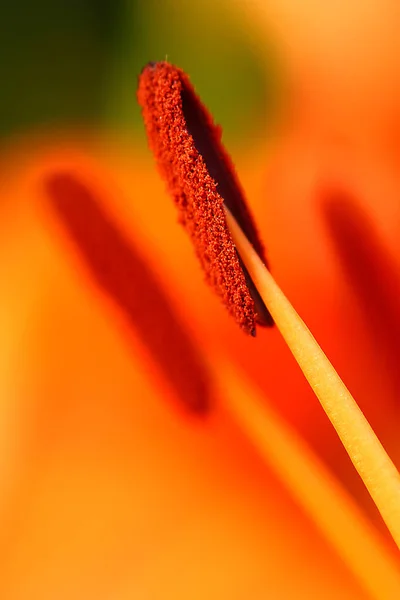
[{"x": 113, "y": 491}]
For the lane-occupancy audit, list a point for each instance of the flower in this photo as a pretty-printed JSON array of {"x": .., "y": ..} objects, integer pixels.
[{"x": 109, "y": 488}]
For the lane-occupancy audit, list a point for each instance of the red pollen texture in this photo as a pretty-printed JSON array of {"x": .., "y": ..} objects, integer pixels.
[{"x": 187, "y": 147}]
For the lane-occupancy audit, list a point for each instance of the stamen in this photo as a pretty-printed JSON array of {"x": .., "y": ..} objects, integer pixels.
[
  {"x": 367, "y": 454},
  {"x": 201, "y": 178},
  {"x": 320, "y": 494}
]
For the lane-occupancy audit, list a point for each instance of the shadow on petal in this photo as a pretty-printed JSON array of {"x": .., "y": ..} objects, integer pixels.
[
  {"x": 372, "y": 275},
  {"x": 123, "y": 275}
]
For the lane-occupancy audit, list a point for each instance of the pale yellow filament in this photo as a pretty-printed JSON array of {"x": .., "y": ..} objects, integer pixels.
[
  {"x": 367, "y": 454},
  {"x": 321, "y": 495}
]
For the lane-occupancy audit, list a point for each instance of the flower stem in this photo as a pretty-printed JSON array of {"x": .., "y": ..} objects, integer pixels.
[{"x": 366, "y": 452}]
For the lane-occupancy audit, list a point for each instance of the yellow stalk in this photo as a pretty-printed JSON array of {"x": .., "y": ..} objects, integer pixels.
[
  {"x": 367, "y": 454},
  {"x": 318, "y": 492}
]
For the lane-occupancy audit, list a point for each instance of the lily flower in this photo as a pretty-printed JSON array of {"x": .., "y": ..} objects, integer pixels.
[{"x": 149, "y": 448}]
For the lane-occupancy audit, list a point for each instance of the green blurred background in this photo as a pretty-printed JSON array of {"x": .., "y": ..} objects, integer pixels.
[{"x": 67, "y": 63}]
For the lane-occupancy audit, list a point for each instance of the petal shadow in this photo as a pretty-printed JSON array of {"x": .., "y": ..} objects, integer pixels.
[
  {"x": 372, "y": 274},
  {"x": 121, "y": 272}
]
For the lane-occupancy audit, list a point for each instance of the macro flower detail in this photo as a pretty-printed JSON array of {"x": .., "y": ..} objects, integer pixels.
[
  {"x": 163, "y": 92},
  {"x": 148, "y": 449},
  {"x": 201, "y": 178}
]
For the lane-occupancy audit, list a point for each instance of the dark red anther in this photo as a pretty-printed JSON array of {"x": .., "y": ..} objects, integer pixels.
[{"x": 201, "y": 178}]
